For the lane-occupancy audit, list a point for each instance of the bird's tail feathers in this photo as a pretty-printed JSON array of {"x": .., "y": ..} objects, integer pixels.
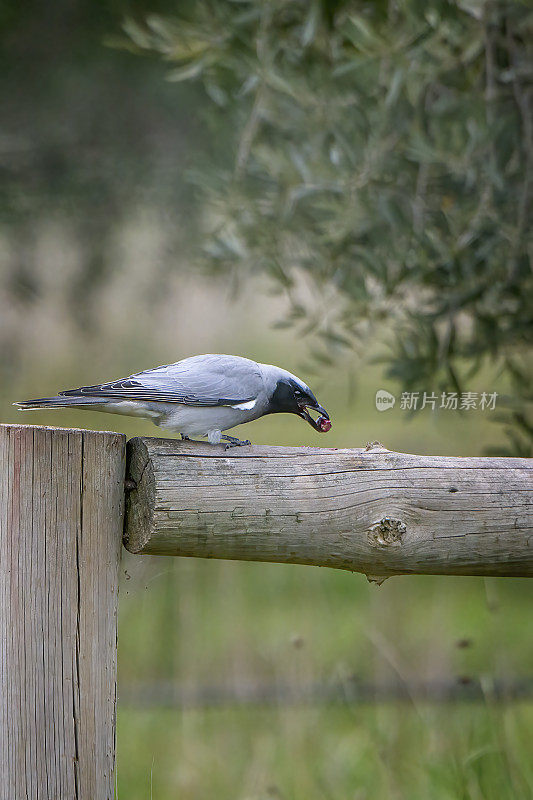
[{"x": 57, "y": 402}]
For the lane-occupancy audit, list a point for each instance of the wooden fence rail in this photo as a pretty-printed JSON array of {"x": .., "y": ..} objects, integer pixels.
[
  {"x": 61, "y": 520},
  {"x": 371, "y": 511}
]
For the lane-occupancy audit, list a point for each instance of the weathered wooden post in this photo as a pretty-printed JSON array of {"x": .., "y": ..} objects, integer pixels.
[{"x": 61, "y": 513}]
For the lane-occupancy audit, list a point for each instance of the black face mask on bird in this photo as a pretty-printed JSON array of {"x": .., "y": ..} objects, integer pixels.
[{"x": 290, "y": 397}]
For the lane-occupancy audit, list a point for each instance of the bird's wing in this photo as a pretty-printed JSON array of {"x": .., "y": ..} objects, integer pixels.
[{"x": 210, "y": 380}]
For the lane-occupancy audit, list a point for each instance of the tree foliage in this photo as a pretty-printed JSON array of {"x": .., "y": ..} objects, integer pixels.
[{"x": 385, "y": 150}]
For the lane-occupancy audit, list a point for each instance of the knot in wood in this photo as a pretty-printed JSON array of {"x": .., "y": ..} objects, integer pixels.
[{"x": 388, "y": 531}]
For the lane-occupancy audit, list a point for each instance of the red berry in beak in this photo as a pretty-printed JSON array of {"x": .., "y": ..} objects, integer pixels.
[{"x": 323, "y": 424}]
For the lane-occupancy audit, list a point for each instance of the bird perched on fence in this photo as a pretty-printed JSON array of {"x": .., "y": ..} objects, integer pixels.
[{"x": 198, "y": 396}]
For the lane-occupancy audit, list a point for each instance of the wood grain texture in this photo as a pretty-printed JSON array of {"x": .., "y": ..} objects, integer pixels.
[
  {"x": 61, "y": 512},
  {"x": 372, "y": 511}
]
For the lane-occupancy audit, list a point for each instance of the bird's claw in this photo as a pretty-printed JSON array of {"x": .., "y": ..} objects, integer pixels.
[{"x": 234, "y": 442}]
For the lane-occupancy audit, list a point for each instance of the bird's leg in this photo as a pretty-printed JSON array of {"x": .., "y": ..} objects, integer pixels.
[
  {"x": 188, "y": 439},
  {"x": 234, "y": 442}
]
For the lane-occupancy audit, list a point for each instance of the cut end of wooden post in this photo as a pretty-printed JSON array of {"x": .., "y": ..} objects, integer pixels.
[{"x": 140, "y": 495}]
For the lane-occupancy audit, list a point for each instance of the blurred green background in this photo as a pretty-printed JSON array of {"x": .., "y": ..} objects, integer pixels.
[{"x": 106, "y": 205}]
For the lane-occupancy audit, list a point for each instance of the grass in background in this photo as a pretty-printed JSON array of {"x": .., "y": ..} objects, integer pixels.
[
  {"x": 208, "y": 622},
  {"x": 334, "y": 753}
]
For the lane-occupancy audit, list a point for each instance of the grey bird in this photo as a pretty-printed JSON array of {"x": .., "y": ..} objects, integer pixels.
[{"x": 198, "y": 396}]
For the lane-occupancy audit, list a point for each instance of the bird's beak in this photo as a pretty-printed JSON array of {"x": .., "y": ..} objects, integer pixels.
[
  {"x": 304, "y": 414},
  {"x": 322, "y": 411}
]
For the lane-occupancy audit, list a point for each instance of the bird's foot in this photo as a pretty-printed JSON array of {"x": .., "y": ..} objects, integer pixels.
[
  {"x": 234, "y": 442},
  {"x": 184, "y": 438}
]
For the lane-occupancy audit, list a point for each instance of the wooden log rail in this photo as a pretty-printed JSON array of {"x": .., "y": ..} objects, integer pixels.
[{"x": 367, "y": 510}]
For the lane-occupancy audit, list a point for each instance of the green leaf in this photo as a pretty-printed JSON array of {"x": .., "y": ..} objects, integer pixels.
[{"x": 186, "y": 72}]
